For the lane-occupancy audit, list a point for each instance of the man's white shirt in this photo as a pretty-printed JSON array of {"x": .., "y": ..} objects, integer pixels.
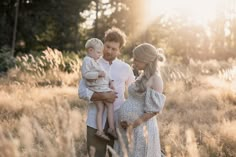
[{"x": 122, "y": 75}]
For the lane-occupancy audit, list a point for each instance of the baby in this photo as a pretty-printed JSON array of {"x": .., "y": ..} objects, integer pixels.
[{"x": 98, "y": 81}]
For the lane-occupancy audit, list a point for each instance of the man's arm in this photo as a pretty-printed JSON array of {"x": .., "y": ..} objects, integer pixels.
[
  {"x": 87, "y": 94},
  {"x": 104, "y": 96}
]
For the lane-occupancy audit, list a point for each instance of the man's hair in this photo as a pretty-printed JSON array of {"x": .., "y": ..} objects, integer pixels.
[
  {"x": 93, "y": 43},
  {"x": 116, "y": 35}
]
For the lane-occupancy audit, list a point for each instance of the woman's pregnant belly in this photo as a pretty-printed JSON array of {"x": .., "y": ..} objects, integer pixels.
[{"x": 130, "y": 110}]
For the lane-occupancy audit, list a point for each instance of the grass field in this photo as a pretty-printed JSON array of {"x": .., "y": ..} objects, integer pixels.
[{"x": 43, "y": 116}]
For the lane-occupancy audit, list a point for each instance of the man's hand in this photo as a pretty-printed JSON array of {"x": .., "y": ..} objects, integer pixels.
[
  {"x": 105, "y": 96},
  {"x": 110, "y": 97}
]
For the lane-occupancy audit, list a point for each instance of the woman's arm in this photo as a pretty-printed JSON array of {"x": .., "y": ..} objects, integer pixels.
[
  {"x": 145, "y": 117},
  {"x": 155, "y": 83}
]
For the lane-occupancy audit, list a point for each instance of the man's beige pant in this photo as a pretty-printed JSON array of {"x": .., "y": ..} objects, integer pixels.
[{"x": 96, "y": 146}]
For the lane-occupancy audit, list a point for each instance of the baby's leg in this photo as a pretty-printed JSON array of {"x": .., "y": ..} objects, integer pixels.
[
  {"x": 99, "y": 116},
  {"x": 110, "y": 115}
]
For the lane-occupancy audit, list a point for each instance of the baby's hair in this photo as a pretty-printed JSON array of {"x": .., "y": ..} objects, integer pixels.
[{"x": 93, "y": 43}]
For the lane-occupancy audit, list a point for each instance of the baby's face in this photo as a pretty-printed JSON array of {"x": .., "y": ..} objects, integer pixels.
[{"x": 98, "y": 53}]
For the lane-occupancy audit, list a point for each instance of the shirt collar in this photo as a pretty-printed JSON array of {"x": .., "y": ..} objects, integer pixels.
[{"x": 105, "y": 61}]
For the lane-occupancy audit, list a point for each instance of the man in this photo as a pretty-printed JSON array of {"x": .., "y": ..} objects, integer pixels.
[{"x": 122, "y": 75}]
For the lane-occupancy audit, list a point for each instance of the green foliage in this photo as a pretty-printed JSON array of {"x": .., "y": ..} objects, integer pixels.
[
  {"x": 6, "y": 59},
  {"x": 180, "y": 37},
  {"x": 60, "y": 24},
  {"x": 51, "y": 67},
  {"x": 50, "y": 59},
  {"x": 41, "y": 24},
  {"x": 72, "y": 62}
]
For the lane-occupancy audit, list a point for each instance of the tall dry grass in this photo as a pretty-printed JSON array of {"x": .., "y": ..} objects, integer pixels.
[
  {"x": 200, "y": 113},
  {"x": 38, "y": 121},
  {"x": 41, "y": 114}
]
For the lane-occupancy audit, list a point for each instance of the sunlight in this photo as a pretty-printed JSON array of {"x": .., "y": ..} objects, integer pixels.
[{"x": 199, "y": 11}]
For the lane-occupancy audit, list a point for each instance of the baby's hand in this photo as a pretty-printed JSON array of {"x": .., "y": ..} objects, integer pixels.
[
  {"x": 101, "y": 74},
  {"x": 111, "y": 85}
]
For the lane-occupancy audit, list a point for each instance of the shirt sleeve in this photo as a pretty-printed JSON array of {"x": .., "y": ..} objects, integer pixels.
[
  {"x": 84, "y": 92},
  {"x": 154, "y": 101},
  {"x": 88, "y": 69},
  {"x": 131, "y": 77}
]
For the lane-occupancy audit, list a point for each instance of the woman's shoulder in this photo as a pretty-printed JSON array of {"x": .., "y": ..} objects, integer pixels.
[
  {"x": 156, "y": 76},
  {"x": 156, "y": 82}
]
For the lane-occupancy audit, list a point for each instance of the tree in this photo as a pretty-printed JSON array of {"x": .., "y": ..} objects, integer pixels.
[{"x": 52, "y": 23}]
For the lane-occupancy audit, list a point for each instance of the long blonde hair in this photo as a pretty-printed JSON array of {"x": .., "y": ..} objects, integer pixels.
[{"x": 148, "y": 54}]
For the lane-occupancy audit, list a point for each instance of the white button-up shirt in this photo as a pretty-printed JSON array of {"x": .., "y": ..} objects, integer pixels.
[{"x": 122, "y": 75}]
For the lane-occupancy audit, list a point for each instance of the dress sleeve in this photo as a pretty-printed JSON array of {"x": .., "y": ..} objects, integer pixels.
[{"x": 154, "y": 101}]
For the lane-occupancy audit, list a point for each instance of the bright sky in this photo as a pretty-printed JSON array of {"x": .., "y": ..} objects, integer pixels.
[{"x": 200, "y": 11}]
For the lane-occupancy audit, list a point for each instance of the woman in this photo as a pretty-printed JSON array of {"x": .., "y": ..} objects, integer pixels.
[{"x": 138, "y": 124}]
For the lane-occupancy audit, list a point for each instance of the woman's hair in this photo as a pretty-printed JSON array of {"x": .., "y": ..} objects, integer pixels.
[
  {"x": 148, "y": 54},
  {"x": 116, "y": 35}
]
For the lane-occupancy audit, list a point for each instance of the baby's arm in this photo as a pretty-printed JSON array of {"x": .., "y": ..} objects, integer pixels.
[
  {"x": 89, "y": 71},
  {"x": 93, "y": 75},
  {"x": 90, "y": 75},
  {"x": 101, "y": 73}
]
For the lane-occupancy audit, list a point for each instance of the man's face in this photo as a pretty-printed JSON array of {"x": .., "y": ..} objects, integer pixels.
[{"x": 111, "y": 50}]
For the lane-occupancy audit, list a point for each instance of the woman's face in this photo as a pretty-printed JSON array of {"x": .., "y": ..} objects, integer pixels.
[{"x": 139, "y": 65}]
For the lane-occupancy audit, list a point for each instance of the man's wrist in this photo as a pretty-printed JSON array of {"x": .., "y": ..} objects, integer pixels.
[
  {"x": 98, "y": 96},
  {"x": 102, "y": 95}
]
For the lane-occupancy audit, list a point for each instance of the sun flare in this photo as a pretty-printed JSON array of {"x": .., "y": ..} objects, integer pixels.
[{"x": 199, "y": 11}]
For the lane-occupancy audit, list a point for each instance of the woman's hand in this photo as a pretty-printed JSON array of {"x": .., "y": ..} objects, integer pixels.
[
  {"x": 129, "y": 127},
  {"x": 125, "y": 125}
]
